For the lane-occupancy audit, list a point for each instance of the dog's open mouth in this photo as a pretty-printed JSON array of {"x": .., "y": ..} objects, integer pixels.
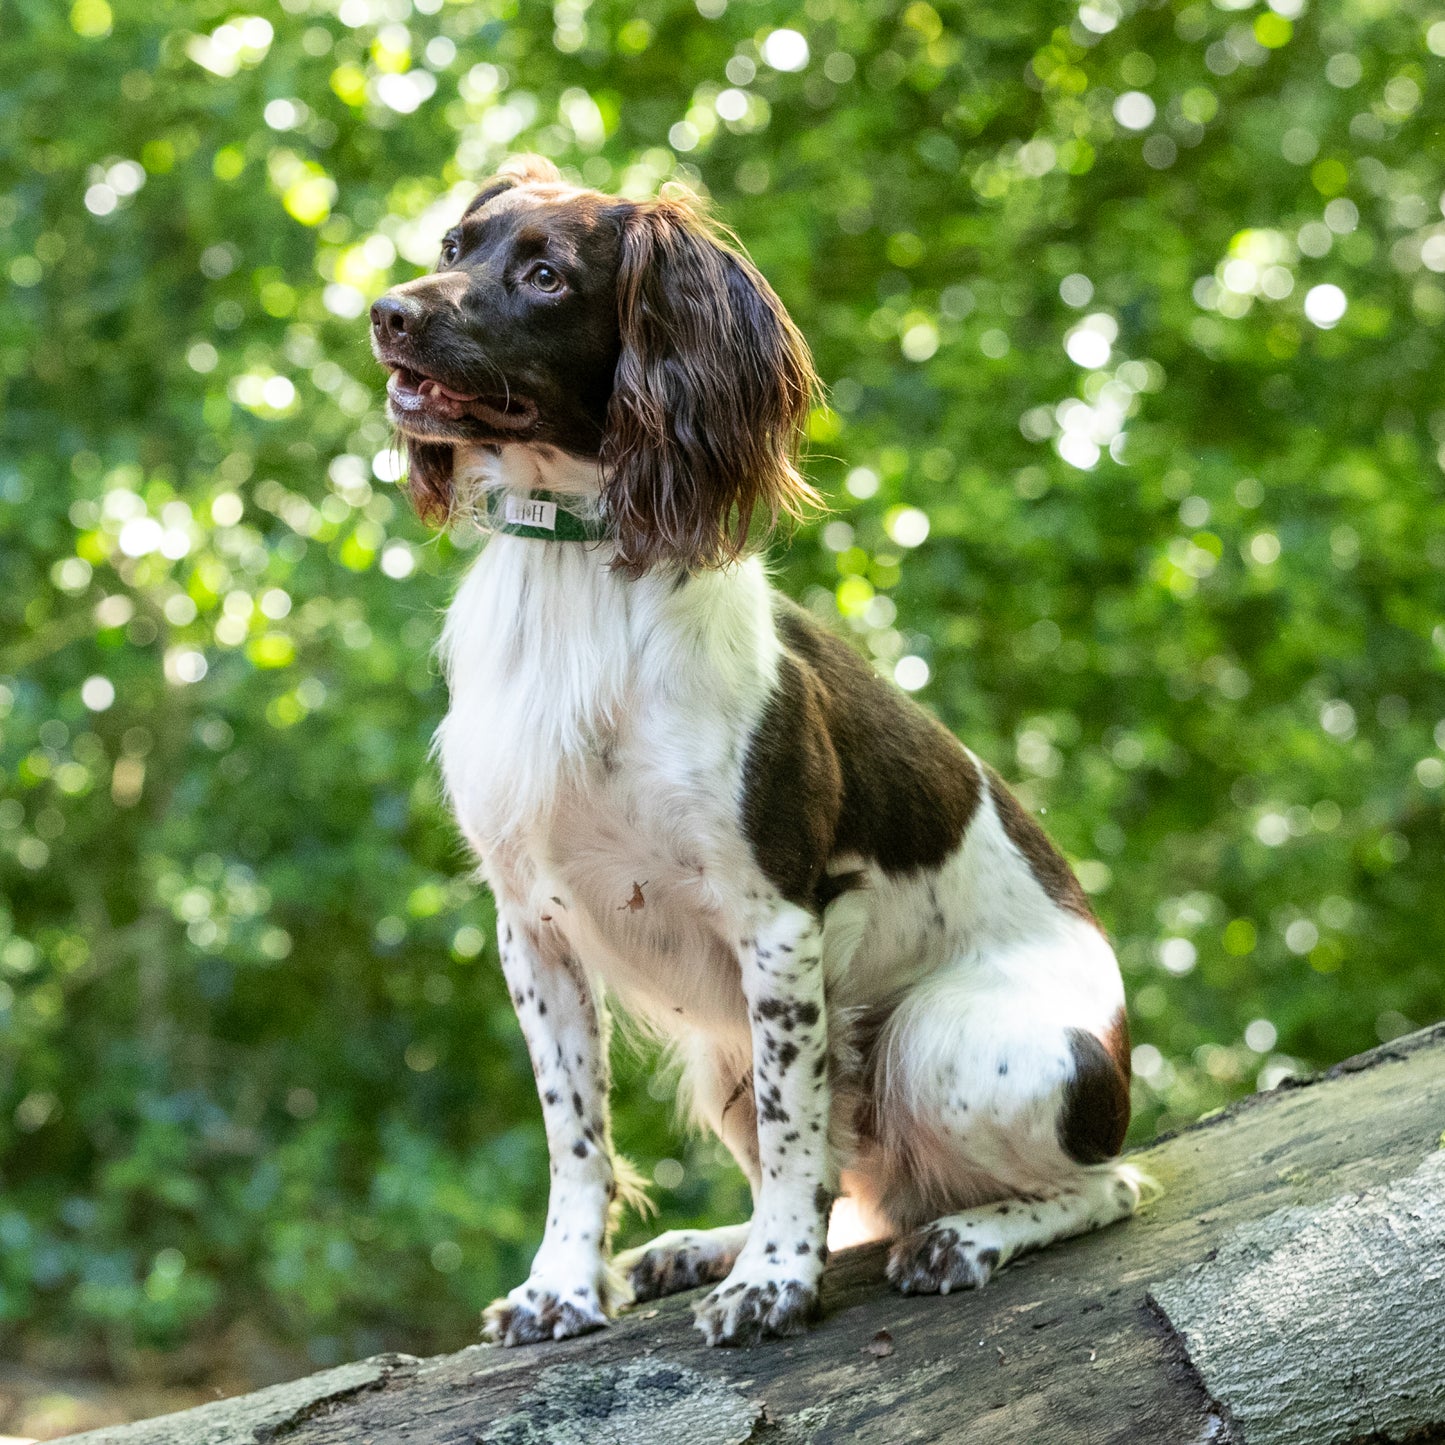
[{"x": 413, "y": 394}]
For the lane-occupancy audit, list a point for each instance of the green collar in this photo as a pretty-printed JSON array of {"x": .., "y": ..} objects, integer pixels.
[{"x": 541, "y": 516}]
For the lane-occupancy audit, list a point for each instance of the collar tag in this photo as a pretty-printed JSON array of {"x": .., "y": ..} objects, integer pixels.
[
  {"x": 543, "y": 517},
  {"x": 531, "y": 512}
]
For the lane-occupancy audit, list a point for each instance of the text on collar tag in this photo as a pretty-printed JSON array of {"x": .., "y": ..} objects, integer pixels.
[{"x": 529, "y": 512}]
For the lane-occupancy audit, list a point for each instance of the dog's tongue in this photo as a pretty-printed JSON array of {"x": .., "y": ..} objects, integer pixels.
[{"x": 429, "y": 387}]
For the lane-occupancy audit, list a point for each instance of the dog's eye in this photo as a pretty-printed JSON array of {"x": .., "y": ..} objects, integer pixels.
[
  {"x": 450, "y": 251},
  {"x": 544, "y": 278}
]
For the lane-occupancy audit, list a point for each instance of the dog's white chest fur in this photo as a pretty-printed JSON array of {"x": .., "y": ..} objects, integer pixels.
[{"x": 594, "y": 751}]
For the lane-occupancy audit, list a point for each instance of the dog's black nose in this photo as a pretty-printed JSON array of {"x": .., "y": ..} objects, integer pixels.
[{"x": 394, "y": 319}]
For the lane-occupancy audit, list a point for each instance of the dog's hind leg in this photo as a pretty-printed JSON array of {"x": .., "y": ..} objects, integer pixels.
[
  {"x": 680, "y": 1259},
  {"x": 962, "y": 1250},
  {"x": 998, "y": 1108}
]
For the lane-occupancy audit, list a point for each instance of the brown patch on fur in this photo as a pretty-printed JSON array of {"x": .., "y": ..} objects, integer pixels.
[
  {"x": 710, "y": 396},
  {"x": 1045, "y": 861},
  {"x": 1095, "y": 1113},
  {"x": 1116, "y": 1041},
  {"x": 842, "y": 762},
  {"x": 793, "y": 786}
]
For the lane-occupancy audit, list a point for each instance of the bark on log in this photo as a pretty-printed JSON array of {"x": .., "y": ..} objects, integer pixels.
[{"x": 1287, "y": 1288}]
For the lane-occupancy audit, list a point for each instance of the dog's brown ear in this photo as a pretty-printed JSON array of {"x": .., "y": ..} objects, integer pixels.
[
  {"x": 429, "y": 480},
  {"x": 710, "y": 397}
]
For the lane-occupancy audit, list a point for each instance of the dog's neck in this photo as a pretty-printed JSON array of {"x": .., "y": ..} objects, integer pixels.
[
  {"x": 534, "y": 492},
  {"x": 522, "y": 467}
]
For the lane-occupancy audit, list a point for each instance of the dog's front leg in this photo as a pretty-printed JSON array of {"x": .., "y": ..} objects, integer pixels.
[
  {"x": 773, "y": 1286},
  {"x": 569, "y": 1290}
]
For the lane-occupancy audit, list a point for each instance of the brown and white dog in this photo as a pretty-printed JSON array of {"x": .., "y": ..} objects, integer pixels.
[{"x": 878, "y": 977}]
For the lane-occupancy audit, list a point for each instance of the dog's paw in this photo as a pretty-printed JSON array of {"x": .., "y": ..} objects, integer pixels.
[
  {"x": 535, "y": 1311},
  {"x": 745, "y": 1308},
  {"x": 937, "y": 1259},
  {"x": 678, "y": 1260}
]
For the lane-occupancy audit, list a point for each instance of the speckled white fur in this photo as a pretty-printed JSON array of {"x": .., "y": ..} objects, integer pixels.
[{"x": 594, "y": 754}]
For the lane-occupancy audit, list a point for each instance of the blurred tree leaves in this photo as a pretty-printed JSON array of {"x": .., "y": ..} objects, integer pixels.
[{"x": 1132, "y": 331}]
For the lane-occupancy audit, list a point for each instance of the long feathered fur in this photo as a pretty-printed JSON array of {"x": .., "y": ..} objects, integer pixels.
[{"x": 711, "y": 395}]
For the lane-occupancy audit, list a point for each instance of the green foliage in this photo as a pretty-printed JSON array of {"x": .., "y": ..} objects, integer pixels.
[{"x": 1181, "y": 577}]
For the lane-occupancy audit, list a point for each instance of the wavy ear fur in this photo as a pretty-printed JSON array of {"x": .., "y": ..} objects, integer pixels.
[
  {"x": 711, "y": 393},
  {"x": 429, "y": 480}
]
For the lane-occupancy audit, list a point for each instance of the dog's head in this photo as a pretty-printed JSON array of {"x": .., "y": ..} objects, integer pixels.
[{"x": 632, "y": 332}]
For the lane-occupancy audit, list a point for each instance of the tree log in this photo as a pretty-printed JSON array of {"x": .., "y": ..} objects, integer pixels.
[{"x": 1287, "y": 1287}]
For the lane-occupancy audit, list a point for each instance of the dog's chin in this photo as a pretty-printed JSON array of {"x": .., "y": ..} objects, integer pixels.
[{"x": 424, "y": 409}]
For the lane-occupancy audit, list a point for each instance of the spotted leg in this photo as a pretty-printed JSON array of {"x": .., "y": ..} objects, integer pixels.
[
  {"x": 680, "y": 1259},
  {"x": 964, "y": 1250},
  {"x": 570, "y": 1289},
  {"x": 772, "y": 1288}
]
